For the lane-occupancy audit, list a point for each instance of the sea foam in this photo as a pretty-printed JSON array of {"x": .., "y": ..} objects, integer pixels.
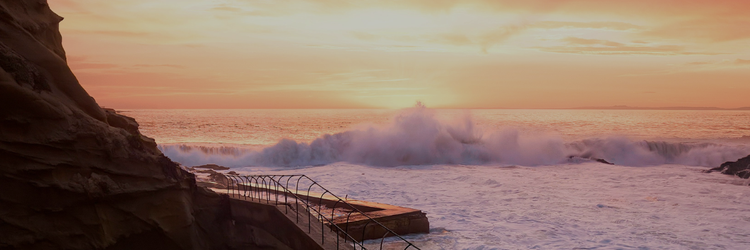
[{"x": 416, "y": 136}]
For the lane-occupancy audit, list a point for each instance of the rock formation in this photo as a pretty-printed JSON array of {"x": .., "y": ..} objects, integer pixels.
[
  {"x": 739, "y": 168},
  {"x": 76, "y": 176},
  {"x": 206, "y": 176}
]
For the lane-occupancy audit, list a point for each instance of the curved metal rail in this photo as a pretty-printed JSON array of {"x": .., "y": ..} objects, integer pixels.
[{"x": 250, "y": 186}]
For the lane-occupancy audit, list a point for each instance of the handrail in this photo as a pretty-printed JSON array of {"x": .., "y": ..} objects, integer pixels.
[
  {"x": 307, "y": 207},
  {"x": 250, "y": 181}
]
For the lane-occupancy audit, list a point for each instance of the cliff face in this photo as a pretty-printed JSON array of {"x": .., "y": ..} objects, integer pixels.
[{"x": 75, "y": 176}]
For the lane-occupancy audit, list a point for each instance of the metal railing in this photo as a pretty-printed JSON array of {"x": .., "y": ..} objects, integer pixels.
[{"x": 261, "y": 187}]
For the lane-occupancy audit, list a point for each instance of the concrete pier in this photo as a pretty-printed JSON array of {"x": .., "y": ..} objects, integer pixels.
[{"x": 400, "y": 220}]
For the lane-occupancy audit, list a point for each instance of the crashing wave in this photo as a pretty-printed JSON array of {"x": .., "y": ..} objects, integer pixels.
[{"x": 417, "y": 137}]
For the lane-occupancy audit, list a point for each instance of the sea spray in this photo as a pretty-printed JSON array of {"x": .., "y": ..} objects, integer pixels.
[{"x": 416, "y": 136}]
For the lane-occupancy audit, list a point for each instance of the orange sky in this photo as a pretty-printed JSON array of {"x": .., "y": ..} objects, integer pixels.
[{"x": 391, "y": 53}]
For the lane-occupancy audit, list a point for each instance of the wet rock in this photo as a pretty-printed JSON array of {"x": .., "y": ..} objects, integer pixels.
[
  {"x": 209, "y": 178},
  {"x": 586, "y": 157},
  {"x": 603, "y": 161},
  {"x": 740, "y": 168},
  {"x": 212, "y": 166}
]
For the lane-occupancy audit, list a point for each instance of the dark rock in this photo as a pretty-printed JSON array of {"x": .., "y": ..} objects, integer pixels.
[
  {"x": 120, "y": 121},
  {"x": 212, "y": 166},
  {"x": 75, "y": 176},
  {"x": 739, "y": 168},
  {"x": 603, "y": 161},
  {"x": 209, "y": 178},
  {"x": 587, "y": 156}
]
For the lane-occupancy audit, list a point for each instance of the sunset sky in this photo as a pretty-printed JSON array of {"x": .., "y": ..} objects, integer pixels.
[{"x": 392, "y": 53}]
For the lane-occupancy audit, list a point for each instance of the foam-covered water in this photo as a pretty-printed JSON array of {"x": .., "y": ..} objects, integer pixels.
[
  {"x": 499, "y": 179},
  {"x": 566, "y": 206}
]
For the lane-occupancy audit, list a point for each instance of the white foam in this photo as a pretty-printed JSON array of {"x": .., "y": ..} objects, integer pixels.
[
  {"x": 418, "y": 137},
  {"x": 569, "y": 206}
]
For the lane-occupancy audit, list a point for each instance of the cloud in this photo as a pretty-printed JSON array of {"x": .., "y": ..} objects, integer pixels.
[
  {"x": 697, "y": 20},
  {"x": 722, "y": 64},
  {"x": 703, "y": 30},
  {"x": 585, "y": 25},
  {"x": 226, "y": 8},
  {"x": 115, "y": 33},
  {"x": 705, "y": 66},
  {"x": 82, "y": 66},
  {"x": 498, "y": 36},
  {"x": 646, "y": 8},
  {"x": 483, "y": 40},
  {"x": 698, "y": 63},
  {"x": 456, "y": 39},
  {"x": 577, "y": 45},
  {"x": 583, "y": 41},
  {"x": 159, "y": 65},
  {"x": 741, "y": 62},
  {"x": 364, "y": 36}
]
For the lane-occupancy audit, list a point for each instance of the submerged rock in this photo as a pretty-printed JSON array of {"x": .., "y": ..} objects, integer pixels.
[{"x": 739, "y": 168}]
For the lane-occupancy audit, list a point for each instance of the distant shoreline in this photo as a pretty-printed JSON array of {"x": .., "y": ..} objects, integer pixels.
[{"x": 660, "y": 108}]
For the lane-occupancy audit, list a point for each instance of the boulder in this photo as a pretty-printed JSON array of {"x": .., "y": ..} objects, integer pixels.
[{"x": 739, "y": 168}]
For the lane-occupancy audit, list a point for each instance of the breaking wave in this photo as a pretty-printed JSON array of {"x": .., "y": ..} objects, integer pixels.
[{"x": 417, "y": 137}]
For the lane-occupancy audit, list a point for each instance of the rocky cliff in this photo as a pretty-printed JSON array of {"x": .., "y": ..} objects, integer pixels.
[{"x": 76, "y": 176}]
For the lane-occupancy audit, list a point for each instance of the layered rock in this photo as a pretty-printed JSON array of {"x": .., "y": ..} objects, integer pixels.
[
  {"x": 739, "y": 168},
  {"x": 76, "y": 176}
]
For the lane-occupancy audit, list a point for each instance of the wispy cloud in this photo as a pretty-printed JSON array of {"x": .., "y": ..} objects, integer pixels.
[
  {"x": 82, "y": 66},
  {"x": 711, "y": 30},
  {"x": 723, "y": 63},
  {"x": 488, "y": 40},
  {"x": 741, "y": 62},
  {"x": 577, "y": 45},
  {"x": 159, "y": 65},
  {"x": 585, "y": 25}
]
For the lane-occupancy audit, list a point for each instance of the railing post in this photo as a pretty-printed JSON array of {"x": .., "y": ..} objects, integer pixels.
[
  {"x": 347, "y": 223},
  {"x": 382, "y": 239},
  {"x": 333, "y": 210},
  {"x": 320, "y": 202},
  {"x": 244, "y": 186},
  {"x": 231, "y": 177},
  {"x": 275, "y": 191},
  {"x": 363, "y": 231}
]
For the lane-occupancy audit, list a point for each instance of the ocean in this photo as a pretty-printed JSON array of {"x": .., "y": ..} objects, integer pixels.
[{"x": 499, "y": 179}]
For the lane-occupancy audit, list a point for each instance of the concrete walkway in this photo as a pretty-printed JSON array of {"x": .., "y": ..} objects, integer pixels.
[{"x": 308, "y": 233}]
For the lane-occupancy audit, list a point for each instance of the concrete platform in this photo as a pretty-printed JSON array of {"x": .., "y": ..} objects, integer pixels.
[
  {"x": 401, "y": 220},
  {"x": 280, "y": 223}
]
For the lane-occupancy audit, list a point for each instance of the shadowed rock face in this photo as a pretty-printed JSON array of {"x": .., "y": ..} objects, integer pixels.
[{"x": 75, "y": 176}]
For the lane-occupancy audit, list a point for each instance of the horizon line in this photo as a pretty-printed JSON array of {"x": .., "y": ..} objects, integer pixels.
[{"x": 617, "y": 107}]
